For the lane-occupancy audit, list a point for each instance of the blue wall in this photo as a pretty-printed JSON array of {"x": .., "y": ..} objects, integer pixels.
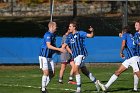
[{"x": 26, "y": 50}]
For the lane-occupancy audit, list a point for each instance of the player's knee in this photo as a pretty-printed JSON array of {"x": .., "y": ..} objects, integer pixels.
[
  {"x": 117, "y": 73},
  {"x": 45, "y": 72}
]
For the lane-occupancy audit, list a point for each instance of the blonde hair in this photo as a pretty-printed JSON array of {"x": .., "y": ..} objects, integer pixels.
[{"x": 51, "y": 24}]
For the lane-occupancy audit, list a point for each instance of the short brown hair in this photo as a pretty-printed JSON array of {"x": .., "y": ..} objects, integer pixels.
[
  {"x": 126, "y": 29},
  {"x": 138, "y": 21},
  {"x": 74, "y": 23}
]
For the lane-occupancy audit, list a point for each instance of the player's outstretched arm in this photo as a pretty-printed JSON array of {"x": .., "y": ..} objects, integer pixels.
[
  {"x": 54, "y": 48},
  {"x": 91, "y": 34}
]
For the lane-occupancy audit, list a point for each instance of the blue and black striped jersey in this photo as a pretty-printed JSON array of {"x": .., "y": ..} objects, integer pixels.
[
  {"x": 77, "y": 43},
  {"x": 129, "y": 46},
  {"x": 137, "y": 41},
  {"x": 44, "y": 51}
]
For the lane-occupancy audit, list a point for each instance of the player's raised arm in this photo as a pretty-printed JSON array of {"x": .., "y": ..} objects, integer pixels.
[{"x": 91, "y": 34}]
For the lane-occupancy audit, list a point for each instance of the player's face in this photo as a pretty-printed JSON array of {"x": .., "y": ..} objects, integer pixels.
[
  {"x": 54, "y": 27},
  {"x": 71, "y": 28},
  {"x": 137, "y": 26}
]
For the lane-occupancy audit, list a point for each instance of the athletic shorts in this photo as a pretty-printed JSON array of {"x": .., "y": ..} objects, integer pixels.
[
  {"x": 65, "y": 57},
  {"x": 67, "y": 62},
  {"x": 46, "y": 63},
  {"x": 79, "y": 60},
  {"x": 134, "y": 62}
]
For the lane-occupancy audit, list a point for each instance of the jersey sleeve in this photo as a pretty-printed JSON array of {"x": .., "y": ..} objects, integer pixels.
[
  {"x": 83, "y": 34},
  {"x": 124, "y": 37},
  {"x": 136, "y": 38},
  {"x": 47, "y": 38},
  {"x": 67, "y": 40}
]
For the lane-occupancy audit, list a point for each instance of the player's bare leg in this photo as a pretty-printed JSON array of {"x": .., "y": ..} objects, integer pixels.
[
  {"x": 71, "y": 73},
  {"x": 62, "y": 70}
]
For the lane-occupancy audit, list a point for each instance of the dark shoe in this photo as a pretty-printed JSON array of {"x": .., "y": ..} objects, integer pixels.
[
  {"x": 135, "y": 90},
  {"x": 44, "y": 91}
]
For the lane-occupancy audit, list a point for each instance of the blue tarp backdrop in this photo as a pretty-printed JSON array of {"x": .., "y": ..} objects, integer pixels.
[{"x": 26, "y": 50}]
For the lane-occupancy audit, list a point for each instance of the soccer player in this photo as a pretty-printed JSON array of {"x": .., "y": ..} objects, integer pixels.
[
  {"x": 66, "y": 59},
  {"x": 132, "y": 59},
  {"x": 75, "y": 40},
  {"x": 48, "y": 48},
  {"x": 136, "y": 79}
]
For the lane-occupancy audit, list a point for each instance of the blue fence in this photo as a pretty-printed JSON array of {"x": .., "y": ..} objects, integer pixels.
[{"x": 26, "y": 50}]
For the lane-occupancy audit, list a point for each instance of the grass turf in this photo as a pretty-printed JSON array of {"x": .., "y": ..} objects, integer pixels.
[{"x": 27, "y": 79}]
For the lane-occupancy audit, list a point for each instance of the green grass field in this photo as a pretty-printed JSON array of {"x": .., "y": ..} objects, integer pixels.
[{"x": 27, "y": 79}]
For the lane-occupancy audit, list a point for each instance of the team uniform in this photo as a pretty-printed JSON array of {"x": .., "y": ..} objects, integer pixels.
[
  {"x": 76, "y": 42},
  {"x": 132, "y": 59},
  {"x": 131, "y": 54},
  {"x": 79, "y": 52},
  {"x": 77, "y": 45},
  {"x": 45, "y": 56},
  {"x": 137, "y": 40}
]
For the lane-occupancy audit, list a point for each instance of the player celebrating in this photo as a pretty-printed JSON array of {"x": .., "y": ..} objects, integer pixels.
[
  {"x": 48, "y": 48},
  {"x": 132, "y": 59},
  {"x": 75, "y": 41},
  {"x": 65, "y": 59}
]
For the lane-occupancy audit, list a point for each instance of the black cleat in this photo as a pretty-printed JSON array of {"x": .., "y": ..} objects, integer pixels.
[
  {"x": 44, "y": 91},
  {"x": 135, "y": 90}
]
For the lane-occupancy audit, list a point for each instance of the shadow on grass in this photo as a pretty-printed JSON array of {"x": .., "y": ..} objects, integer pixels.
[
  {"x": 116, "y": 80},
  {"x": 120, "y": 89}
]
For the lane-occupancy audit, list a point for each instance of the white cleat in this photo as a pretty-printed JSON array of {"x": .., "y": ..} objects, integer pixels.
[
  {"x": 97, "y": 86},
  {"x": 78, "y": 91},
  {"x": 102, "y": 86}
]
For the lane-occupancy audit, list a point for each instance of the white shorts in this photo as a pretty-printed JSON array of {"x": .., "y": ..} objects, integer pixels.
[
  {"x": 79, "y": 60},
  {"x": 134, "y": 62},
  {"x": 46, "y": 63}
]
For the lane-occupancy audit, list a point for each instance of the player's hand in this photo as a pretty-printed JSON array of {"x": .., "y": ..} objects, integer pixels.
[
  {"x": 91, "y": 29},
  {"x": 122, "y": 55},
  {"x": 62, "y": 50},
  {"x": 120, "y": 34}
]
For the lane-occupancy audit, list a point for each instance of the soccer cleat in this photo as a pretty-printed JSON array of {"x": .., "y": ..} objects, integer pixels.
[
  {"x": 102, "y": 86},
  {"x": 97, "y": 86},
  {"x": 60, "y": 81},
  {"x": 134, "y": 90},
  {"x": 45, "y": 91},
  {"x": 78, "y": 91},
  {"x": 72, "y": 82}
]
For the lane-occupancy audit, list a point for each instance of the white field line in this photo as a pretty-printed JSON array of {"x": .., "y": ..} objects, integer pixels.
[{"x": 26, "y": 86}]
